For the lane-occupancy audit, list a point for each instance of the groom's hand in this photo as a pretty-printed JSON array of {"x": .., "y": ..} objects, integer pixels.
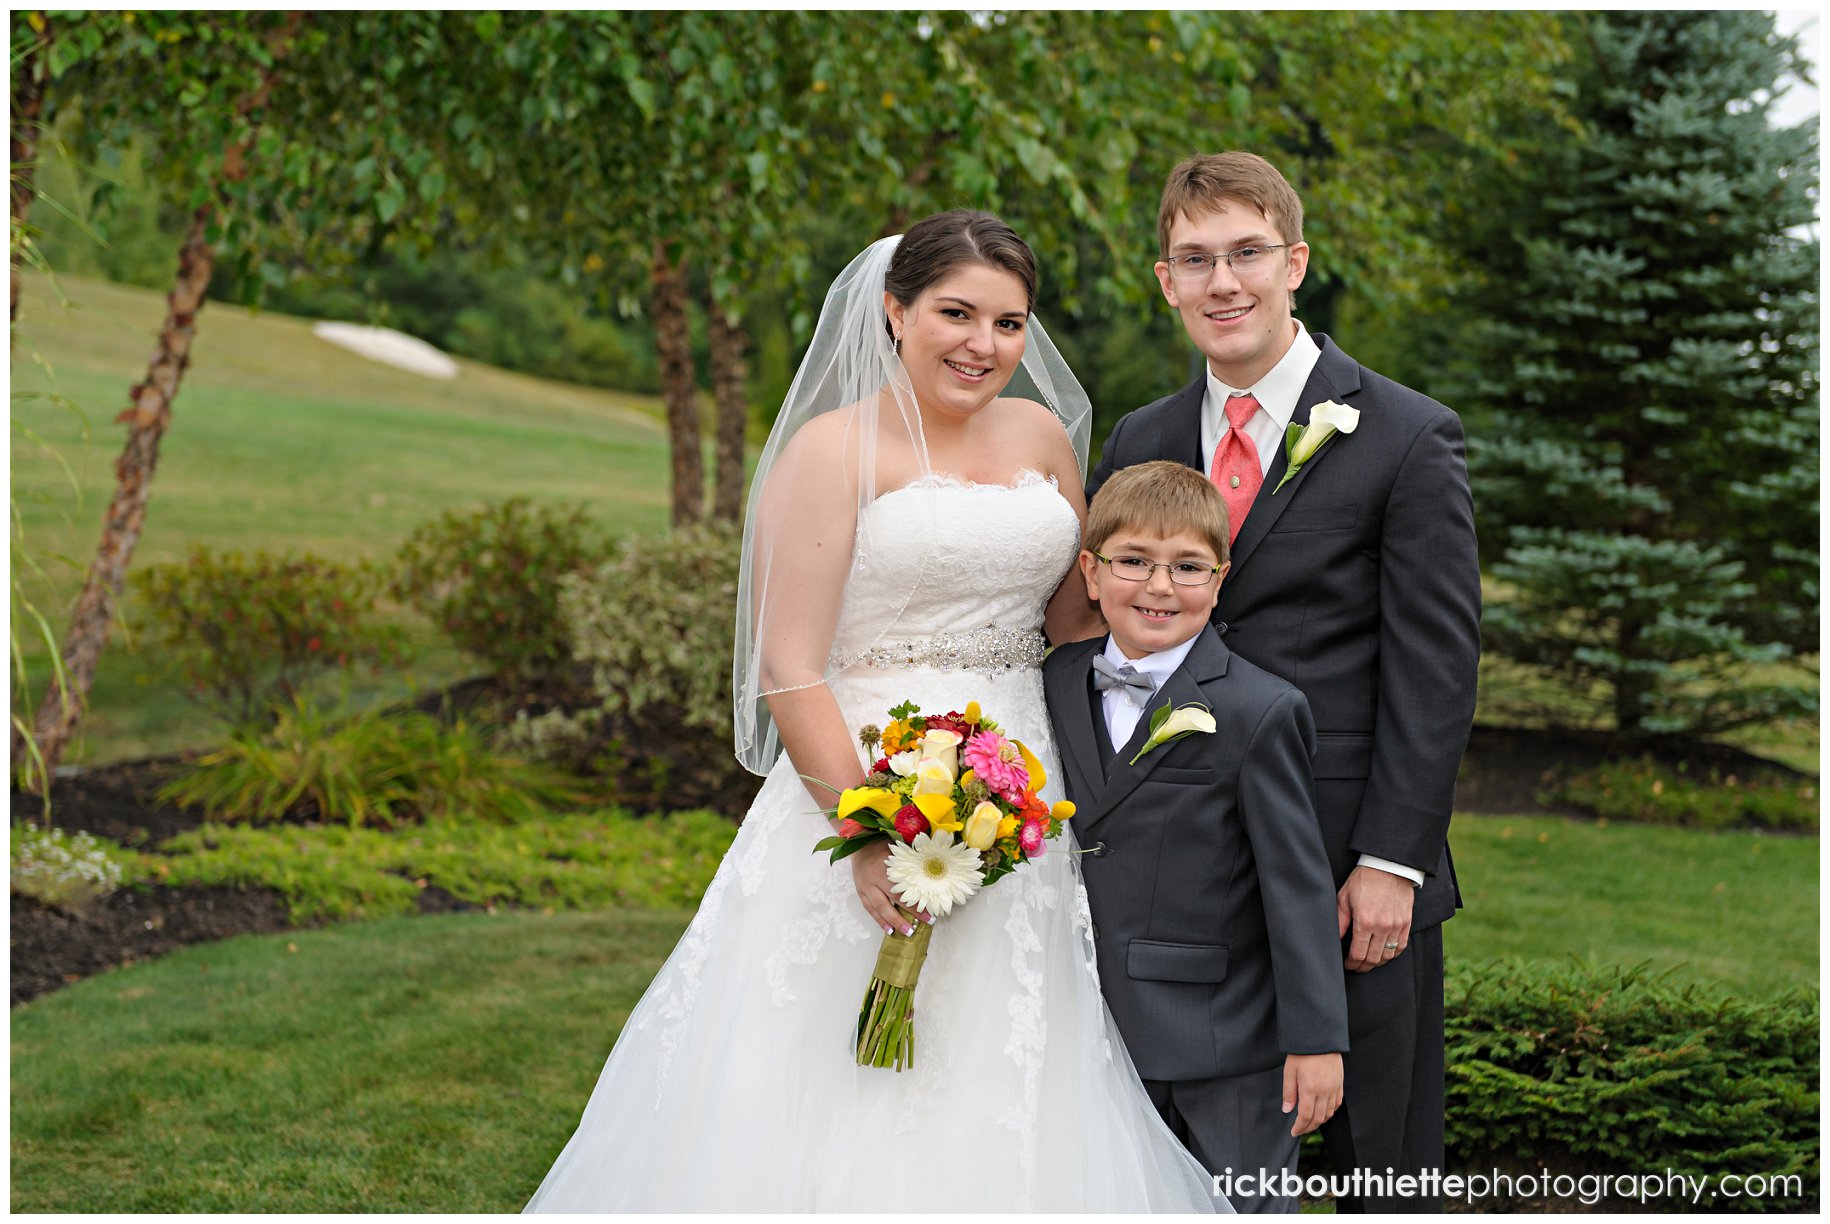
[
  {"x": 1312, "y": 1089},
  {"x": 1376, "y": 905}
]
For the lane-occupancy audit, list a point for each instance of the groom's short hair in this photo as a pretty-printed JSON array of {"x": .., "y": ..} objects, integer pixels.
[
  {"x": 1161, "y": 497},
  {"x": 1205, "y": 181}
]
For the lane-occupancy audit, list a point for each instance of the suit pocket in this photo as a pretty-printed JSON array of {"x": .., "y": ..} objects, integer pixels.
[
  {"x": 1315, "y": 518},
  {"x": 1343, "y": 755},
  {"x": 1170, "y": 773},
  {"x": 1150, "y": 961}
]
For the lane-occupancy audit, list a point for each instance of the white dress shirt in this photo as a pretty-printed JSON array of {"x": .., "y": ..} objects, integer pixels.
[
  {"x": 1122, "y": 711},
  {"x": 1277, "y": 393}
]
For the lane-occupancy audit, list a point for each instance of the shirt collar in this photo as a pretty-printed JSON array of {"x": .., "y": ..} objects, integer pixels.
[
  {"x": 1159, "y": 666},
  {"x": 1278, "y": 391}
]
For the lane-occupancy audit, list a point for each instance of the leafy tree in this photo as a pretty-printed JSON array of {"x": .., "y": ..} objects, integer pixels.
[{"x": 1642, "y": 349}]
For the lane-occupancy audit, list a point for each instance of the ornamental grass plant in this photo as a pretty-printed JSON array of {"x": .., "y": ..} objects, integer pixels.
[{"x": 379, "y": 768}]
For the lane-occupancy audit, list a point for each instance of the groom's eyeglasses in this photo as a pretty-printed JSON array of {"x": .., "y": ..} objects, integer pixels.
[
  {"x": 1199, "y": 265},
  {"x": 1139, "y": 569}
]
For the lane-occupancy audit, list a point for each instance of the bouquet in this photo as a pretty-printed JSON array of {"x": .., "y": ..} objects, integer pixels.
[{"x": 957, "y": 802}]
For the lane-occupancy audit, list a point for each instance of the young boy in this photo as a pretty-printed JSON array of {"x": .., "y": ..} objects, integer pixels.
[{"x": 1213, "y": 904}]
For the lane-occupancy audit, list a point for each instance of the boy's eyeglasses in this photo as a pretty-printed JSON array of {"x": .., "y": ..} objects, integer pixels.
[{"x": 1139, "y": 569}]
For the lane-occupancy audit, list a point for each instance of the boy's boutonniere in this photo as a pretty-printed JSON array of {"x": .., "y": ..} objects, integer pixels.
[
  {"x": 1302, "y": 441},
  {"x": 1168, "y": 726}
]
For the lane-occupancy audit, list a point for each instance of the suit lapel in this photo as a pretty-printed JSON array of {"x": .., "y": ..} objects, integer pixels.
[
  {"x": 1180, "y": 426},
  {"x": 1207, "y": 660},
  {"x": 1080, "y": 751},
  {"x": 1335, "y": 377}
]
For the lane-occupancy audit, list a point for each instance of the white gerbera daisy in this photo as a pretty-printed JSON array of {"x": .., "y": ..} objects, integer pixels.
[{"x": 934, "y": 873}]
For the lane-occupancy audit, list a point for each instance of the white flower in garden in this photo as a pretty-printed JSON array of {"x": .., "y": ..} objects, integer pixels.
[{"x": 934, "y": 873}]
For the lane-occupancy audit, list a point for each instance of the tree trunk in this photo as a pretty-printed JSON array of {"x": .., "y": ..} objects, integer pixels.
[
  {"x": 667, "y": 302},
  {"x": 728, "y": 378},
  {"x": 28, "y": 108},
  {"x": 147, "y": 415}
]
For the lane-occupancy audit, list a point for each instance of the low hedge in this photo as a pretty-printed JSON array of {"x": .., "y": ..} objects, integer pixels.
[
  {"x": 593, "y": 861},
  {"x": 1646, "y": 792},
  {"x": 1613, "y": 1070}
]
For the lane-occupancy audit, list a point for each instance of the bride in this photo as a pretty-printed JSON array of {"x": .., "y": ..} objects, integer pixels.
[{"x": 907, "y": 538}]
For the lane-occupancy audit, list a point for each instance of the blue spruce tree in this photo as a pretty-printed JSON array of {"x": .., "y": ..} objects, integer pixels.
[{"x": 1641, "y": 367}]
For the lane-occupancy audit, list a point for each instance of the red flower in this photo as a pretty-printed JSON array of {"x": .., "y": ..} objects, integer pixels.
[
  {"x": 954, "y": 722},
  {"x": 313, "y": 644},
  {"x": 910, "y": 823},
  {"x": 882, "y": 765},
  {"x": 850, "y": 828}
]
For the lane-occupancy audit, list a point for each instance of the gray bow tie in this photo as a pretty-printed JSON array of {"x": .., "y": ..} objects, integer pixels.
[{"x": 1138, "y": 686}]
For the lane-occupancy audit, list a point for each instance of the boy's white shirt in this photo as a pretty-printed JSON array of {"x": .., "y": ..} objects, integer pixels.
[{"x": 1122, "y": 715}]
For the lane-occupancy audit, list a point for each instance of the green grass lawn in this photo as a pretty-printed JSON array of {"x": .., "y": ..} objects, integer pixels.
[
  {"x": 439, "y": 1064},
  {"x": 280, "y": 440},
  {"x": 1738, "y": 908}
]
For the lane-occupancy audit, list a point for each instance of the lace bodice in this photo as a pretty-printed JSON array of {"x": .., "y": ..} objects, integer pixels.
[{"x": 941, "y": 556}]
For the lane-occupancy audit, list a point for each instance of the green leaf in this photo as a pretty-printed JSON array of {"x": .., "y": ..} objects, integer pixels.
[{"x": 389, "y": 202}]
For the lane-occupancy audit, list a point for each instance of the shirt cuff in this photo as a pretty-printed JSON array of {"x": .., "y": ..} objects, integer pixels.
[{"x": 1397, "y": 869}]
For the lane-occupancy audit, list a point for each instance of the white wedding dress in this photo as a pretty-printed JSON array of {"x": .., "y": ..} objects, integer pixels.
[{"x": 733, "y": 1085}]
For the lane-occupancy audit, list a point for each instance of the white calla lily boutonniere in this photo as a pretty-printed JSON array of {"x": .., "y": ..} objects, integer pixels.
[
  {"x": 1302, "y": 441},
  {"x": 1167, "y": 726}
]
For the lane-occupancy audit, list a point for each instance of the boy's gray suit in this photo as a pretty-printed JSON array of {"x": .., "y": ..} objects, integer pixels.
[
  {"x": 1358, "y": 583},
  {"x": 1213, "y": 905}
]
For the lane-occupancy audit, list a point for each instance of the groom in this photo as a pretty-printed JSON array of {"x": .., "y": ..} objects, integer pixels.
[{"x": 1355, "y": 579}]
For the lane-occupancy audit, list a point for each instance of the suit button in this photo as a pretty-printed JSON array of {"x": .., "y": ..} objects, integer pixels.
[{"x": 1098, "y": 850}]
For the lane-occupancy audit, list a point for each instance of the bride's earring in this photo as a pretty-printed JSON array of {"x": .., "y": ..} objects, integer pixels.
[{"x": 896, "y": 346}]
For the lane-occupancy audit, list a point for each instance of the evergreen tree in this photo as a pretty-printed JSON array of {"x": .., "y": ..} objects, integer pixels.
[{"x": 1640, "y": 357}]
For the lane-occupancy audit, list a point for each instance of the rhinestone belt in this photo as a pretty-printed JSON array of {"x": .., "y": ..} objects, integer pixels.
[{"x": 987, "y": 650}]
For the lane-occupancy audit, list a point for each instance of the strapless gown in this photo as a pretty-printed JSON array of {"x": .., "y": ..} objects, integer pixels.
[{"x": 732, "y": 1086}]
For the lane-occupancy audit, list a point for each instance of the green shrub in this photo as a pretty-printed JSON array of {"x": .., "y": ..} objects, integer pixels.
[
  {"x": 1643, "y": 791},
  {"x": 376, "y": 768},
  {"x": 252, "y": 633},
  {"x": 68, "y": 870},
  {"x": 1610, "y": 1069},
  {"x": 490, "y": 579},
  {"x": 656, "y": 624},
  {"x": 574, "y": 861}
]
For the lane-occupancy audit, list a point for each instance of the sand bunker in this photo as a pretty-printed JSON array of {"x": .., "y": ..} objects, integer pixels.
[{"x": 388, "y": 347}]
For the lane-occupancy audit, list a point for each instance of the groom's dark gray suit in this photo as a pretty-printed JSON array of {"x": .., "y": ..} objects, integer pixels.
[{"x": 1358, "y": 583}]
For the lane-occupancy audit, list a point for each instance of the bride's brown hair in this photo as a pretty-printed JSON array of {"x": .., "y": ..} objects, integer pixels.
[{"x": 936, "y": 245}]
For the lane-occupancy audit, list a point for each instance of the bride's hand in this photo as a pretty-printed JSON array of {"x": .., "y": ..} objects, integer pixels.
[{"x": 869, "y": 872}]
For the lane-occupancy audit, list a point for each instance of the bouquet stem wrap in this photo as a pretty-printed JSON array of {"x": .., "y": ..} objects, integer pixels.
[{"x": 886, "y": 1021}]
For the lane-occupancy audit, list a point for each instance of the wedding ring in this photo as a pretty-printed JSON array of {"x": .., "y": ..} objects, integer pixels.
[{"x": 1391, "y": 947}]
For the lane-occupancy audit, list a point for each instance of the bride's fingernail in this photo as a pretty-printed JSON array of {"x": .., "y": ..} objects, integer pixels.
[
  {"x": 908, "y": 930},
  {"x": 889, "y": 930},
  {"x": 929, "y": 920}
]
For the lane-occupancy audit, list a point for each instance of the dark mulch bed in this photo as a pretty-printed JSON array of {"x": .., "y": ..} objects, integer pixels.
[
  {"x": 1503, "y": 773},
  {"x": 1505, "y": 768}
]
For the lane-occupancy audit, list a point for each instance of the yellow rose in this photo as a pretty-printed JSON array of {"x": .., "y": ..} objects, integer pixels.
[
  {"x": 942, "y": 746},
  {"x": 933, "y": 778},
  {"x": 982, "y": 826}
]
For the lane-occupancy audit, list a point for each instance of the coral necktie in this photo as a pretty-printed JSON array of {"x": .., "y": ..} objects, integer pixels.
[{"x": 1237, "y": 471}]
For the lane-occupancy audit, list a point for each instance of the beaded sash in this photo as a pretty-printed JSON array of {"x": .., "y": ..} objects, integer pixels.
[{"x": 988, "y": 650}]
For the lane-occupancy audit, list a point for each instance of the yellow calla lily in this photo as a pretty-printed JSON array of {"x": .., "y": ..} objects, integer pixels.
[
  {"x": 881, "y": 801},
  {"x": 940, "y": 811},
  {"x": 967, "y": 779},
  {"x": 1062, "y": 811},
  {"x": 1038, "y": 778}
]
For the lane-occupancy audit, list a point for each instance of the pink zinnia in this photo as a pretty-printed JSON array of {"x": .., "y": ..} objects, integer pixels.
[
  {"x": 997, "y": 763},
  {"x": 1030, "y": 837},
  {"x": 910, "y": 822}
]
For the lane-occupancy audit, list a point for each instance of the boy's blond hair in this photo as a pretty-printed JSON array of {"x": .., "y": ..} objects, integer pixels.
[
  {"x": 1205, "y": 181},
  {"x": 1161, "y": 497}
]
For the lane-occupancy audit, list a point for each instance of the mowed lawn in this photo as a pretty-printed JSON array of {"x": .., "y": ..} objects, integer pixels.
[
  {"x": 439, "y": 1064},
  {"x": 280, "y": 440}
]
